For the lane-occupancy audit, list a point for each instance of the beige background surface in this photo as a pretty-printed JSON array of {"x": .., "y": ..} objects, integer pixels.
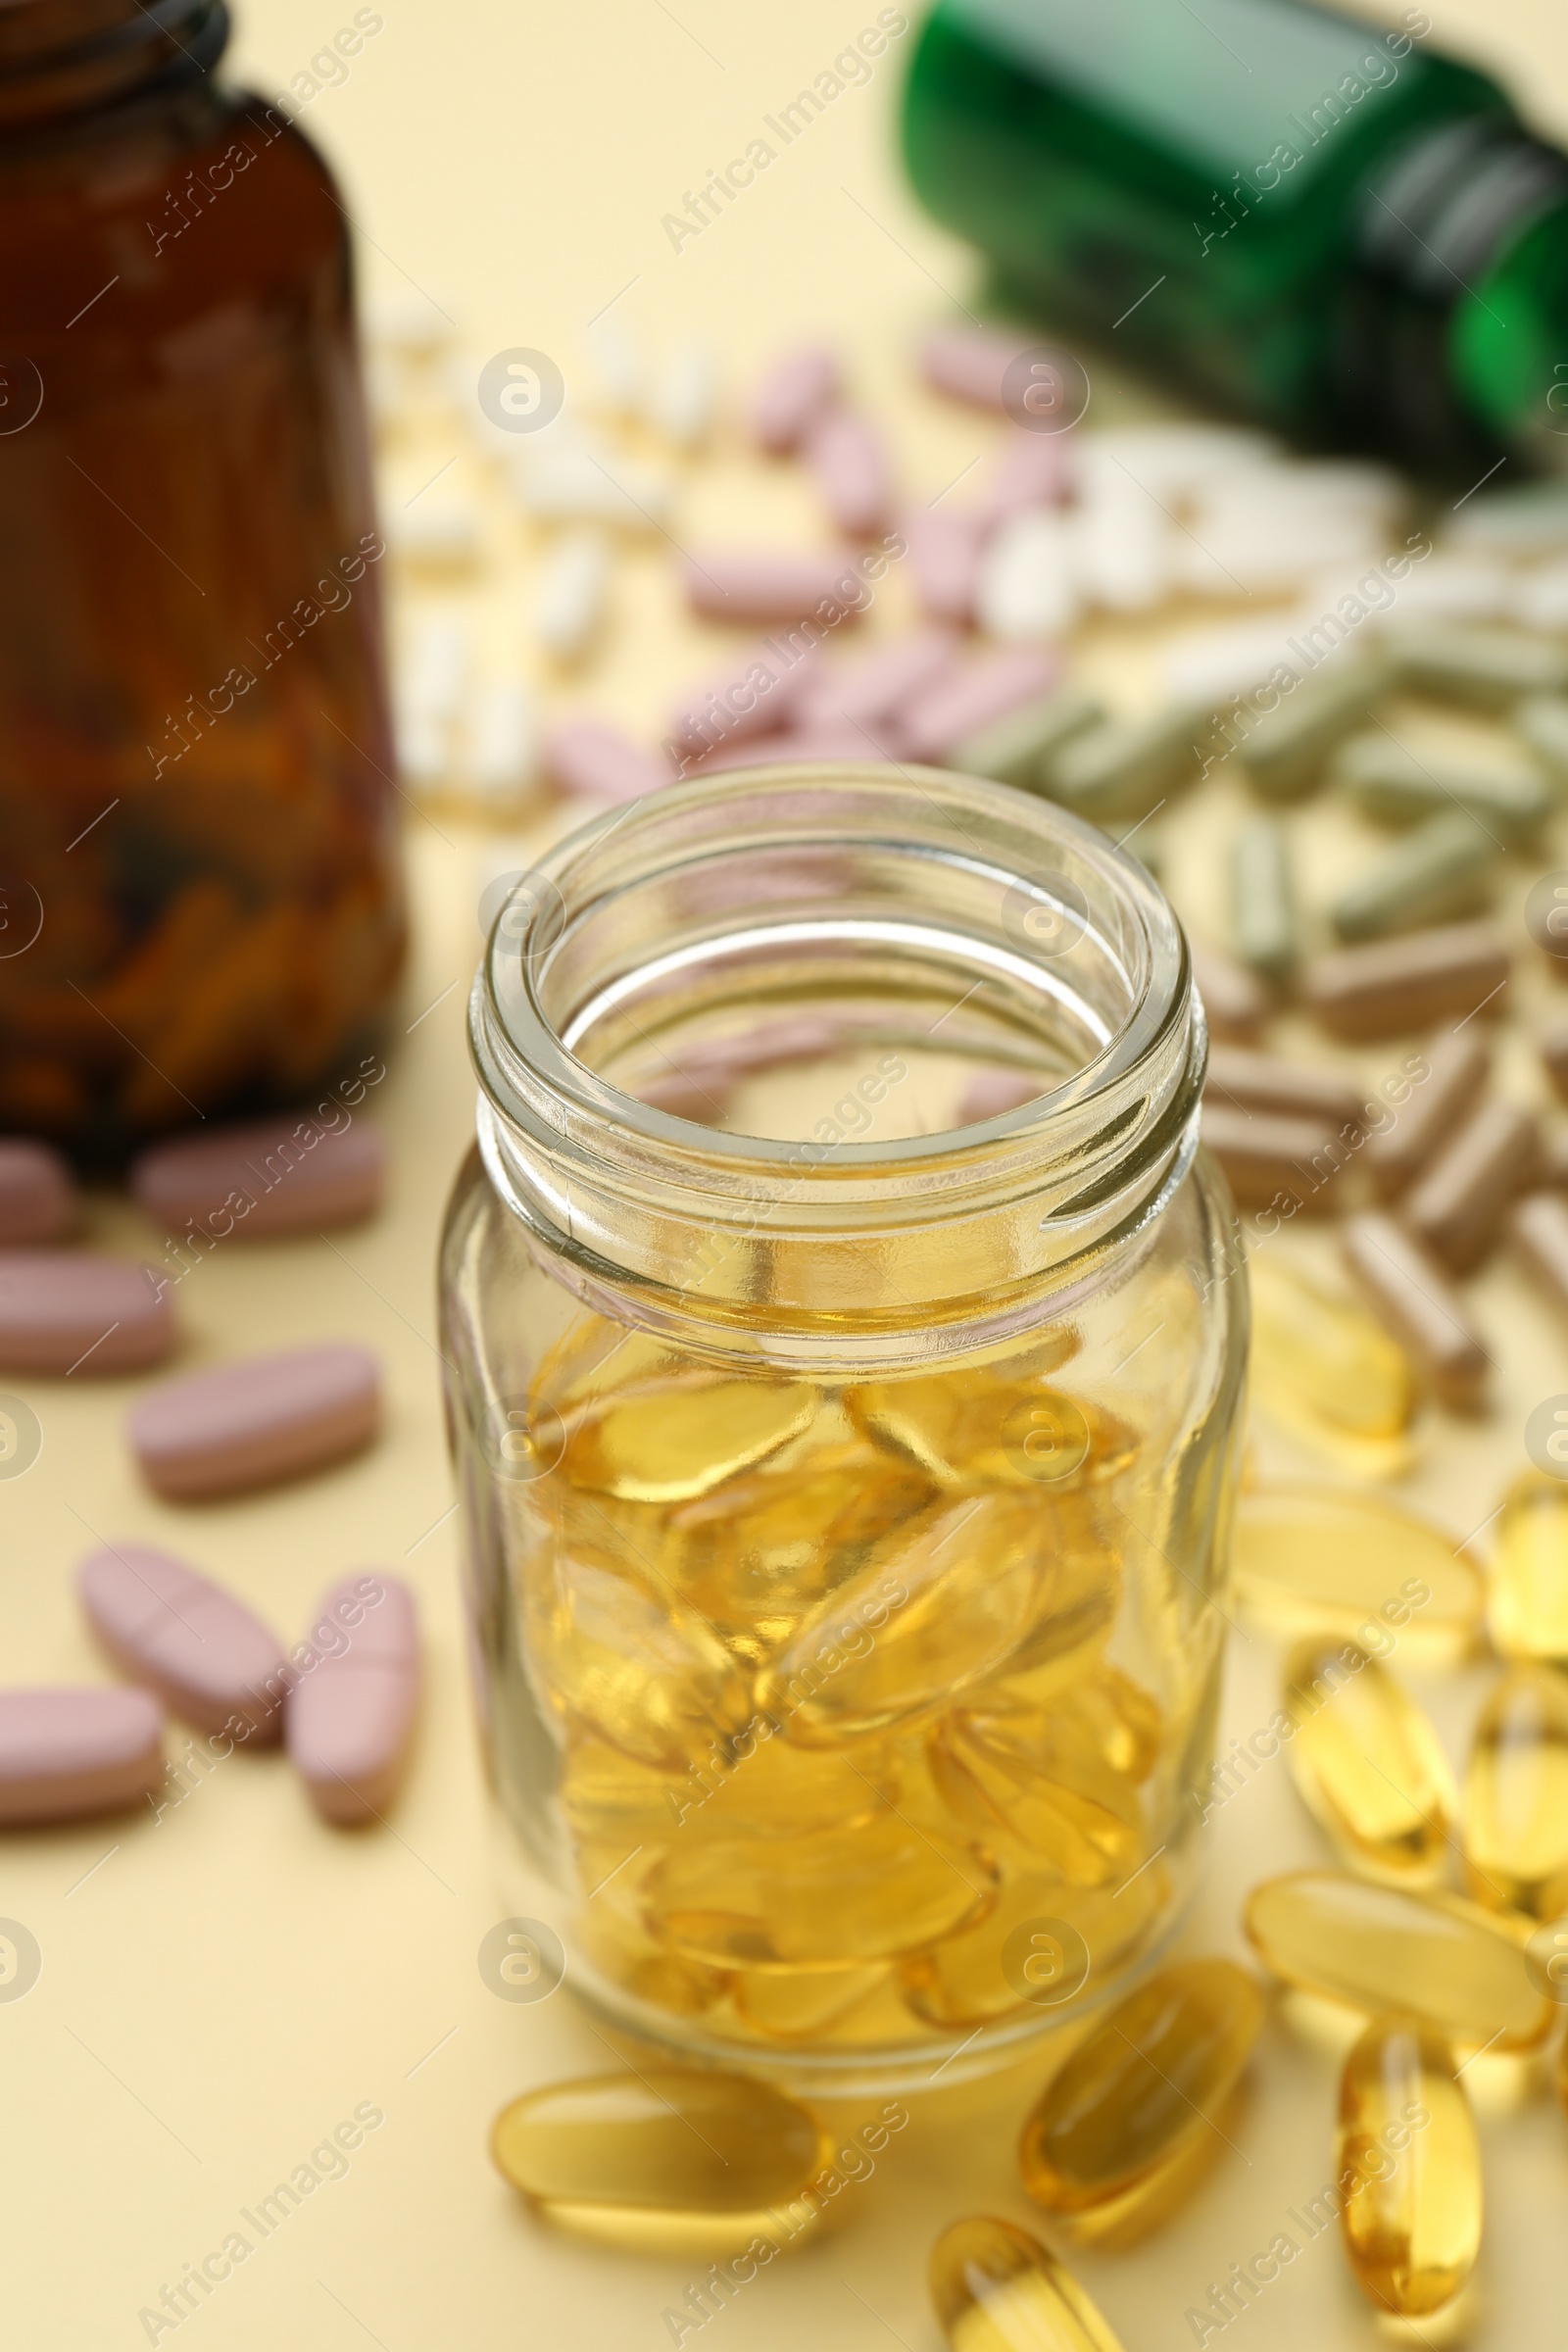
[{"x": 222, "y": 1986}]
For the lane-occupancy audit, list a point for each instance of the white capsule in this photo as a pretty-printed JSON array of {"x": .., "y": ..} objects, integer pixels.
[
  {"x": 578, "y": 483},
  {"x": 1206, "y": 665},
  {"x": 423, "y": 745},
  {"x": 572, "y": 590},
  {"x": 1027, "y": 589},
  {"x": 501, "y": 740},
  {"x": 683, "y": 394},
  {"x": 1532, "y": 521},
  {"x": 1268, "y": 533}
]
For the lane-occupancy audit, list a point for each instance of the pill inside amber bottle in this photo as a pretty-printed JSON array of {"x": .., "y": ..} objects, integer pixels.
[
  {"x": 1408, "y": 2167},
  {"x": 998, "y": 2289},
  {"x": 660, "y": 2160},
  {"x": 1516, "y": 1795},
  {"x": 1456, "y": 1970},
  {"x": 1526, "y": 1611},
  {"x": 1368, "y": 1763},
  {"x": 1135, "y": 2117}
]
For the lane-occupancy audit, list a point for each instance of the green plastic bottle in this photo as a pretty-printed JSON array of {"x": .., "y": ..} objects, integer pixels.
[{"x": 1298, "y": 215}]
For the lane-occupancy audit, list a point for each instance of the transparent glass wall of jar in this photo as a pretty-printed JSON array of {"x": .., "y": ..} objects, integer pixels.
[{"x": 845, "y": 1472}]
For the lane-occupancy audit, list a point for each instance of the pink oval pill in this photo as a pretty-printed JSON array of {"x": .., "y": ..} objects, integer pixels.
[
  {"x": 862, "y": 693},
  {"x": 71, "y": 1310},
  {"x": 270, "y": 1176},
  {"x": 944, "y": 559},
  {"x": 351, "y": 1713},
  {"x": 256, "y": 1422},
  {"x": 37, "y": 1197},
  {"x": 970, "y": 363},
  {"x": 64, "y": 1754},
  {"x": 968, "y": 700},
  {"x": 602, "y": 763},
  {"x": 838, "y": 743},
  {"x": 1032, "y": 471},
  {"x": 207, "y": 1655},
  {"x": 850, "y": 460},
  {"x": 792, "y": 395},
  {"x": 775, "y": 584},
  {"x": 757, "y": 694}
]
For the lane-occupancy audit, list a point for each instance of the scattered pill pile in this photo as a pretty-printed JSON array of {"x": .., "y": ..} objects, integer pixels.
[{"x": 344, "y": 1698}]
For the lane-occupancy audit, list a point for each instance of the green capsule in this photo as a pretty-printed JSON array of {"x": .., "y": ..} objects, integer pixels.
[
  {"x": 1125, "y": 767},
  {"x": 1018, "y": 748},
  {"x": 1401, "y": 787},
  {"x": 1285, "y": 748},
  {"x": 998, "y": 2289},
  {"x": 1486, "y": 667},
  {"x": 1439, "y": 871},
  {"x": 1262, "y": 900}
]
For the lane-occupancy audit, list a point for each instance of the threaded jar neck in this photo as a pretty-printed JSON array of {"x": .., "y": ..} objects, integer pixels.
[
  {"x": 907, "y": 910},
  {"x": 62, "y": 59}
]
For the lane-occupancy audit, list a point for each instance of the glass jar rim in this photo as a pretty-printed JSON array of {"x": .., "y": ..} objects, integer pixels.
[{"x": 632, "y": 1193}]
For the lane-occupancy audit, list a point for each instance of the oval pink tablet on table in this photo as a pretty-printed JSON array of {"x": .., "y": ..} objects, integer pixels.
[
  {"x": 862, "y": 693},
  {"x": 968, "y": 363},
  {"x": 1033, "y": 469},
  {"x": 207, "y": 1657},
  {"x": 255, "y": 1422},
  {"x": 263, "y": 1177},
  {"x": 972, "y": 697},
  {"x": 351, "y": 1712},
  {"x": 37, "y": 1194},
  {"x": 67, "y": 1754},
  {"x": 775, "y": 584},
  {"x": 944, "y": 559},
  {"x": 838, "y": 743},
  {"x": 73, "y": 1310},
  {"x": 792, "y": 395},
  {"x": 848, "y": 458},
  {"x": 600, "y": 762},
  {"x": 757, "y": 694}
]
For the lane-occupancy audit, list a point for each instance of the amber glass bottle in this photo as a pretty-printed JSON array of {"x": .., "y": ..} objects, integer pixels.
[{"x": 200, "y": 896}]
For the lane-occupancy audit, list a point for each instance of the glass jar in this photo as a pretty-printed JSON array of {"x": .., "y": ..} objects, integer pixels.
[
  {"x": 200, "y": 895},
  {"x": 846, "y": 1460}
]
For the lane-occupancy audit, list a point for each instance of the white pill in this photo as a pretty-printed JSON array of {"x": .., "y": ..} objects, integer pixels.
[
  {"x": 1203, "y": 665},
  {"x": 423, "y": 744},
  {"x": 580, "y": 483},
  {"x": 501, "y": 740},
  {"x": 1539, "y": 600},
  {"x": 1173, "y": 461},
  {"x": 1458, "y": 588},
  {"x": 574, "y": 589},
  {"x": 1027, "y": 589},
  {"x": 1532, "y": 521},
  {"x": 435, "y": 529},
  {"x": 683, "y": 394},
  {"x": 1274, "y": 547},
  {"x": 1123, "y": 549},
  {"x": 433, "y": 675}
]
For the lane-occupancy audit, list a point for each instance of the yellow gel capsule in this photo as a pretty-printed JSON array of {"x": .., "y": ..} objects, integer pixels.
[
  {"x": 976, "y": 1427},
  {"x": 659, "y": 2160},
  {"x": 1034, "y": 1950},
  {"x": 1025, "y": 1790},
  {"x": 944, "y": 1602},
  {"x": 1445, "y": 1962},
  {"x": 629, "y": 1661},
  {"x": 998, "y": 2289},
  {"x": 1526, "y": 1611},
  {"x": 843, "y": 1896},
  {"x": 1129, "y": 2125},
  {"x": 1516, "y": 1795},
  {"x": 1312, "y": 1560},
  {"x": 1409, "y": 2170},
  {"x": 668, "y": 1444},
  {"x": 1326, "y": 1373},
  {"x": 1368, "y": 1764}
]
